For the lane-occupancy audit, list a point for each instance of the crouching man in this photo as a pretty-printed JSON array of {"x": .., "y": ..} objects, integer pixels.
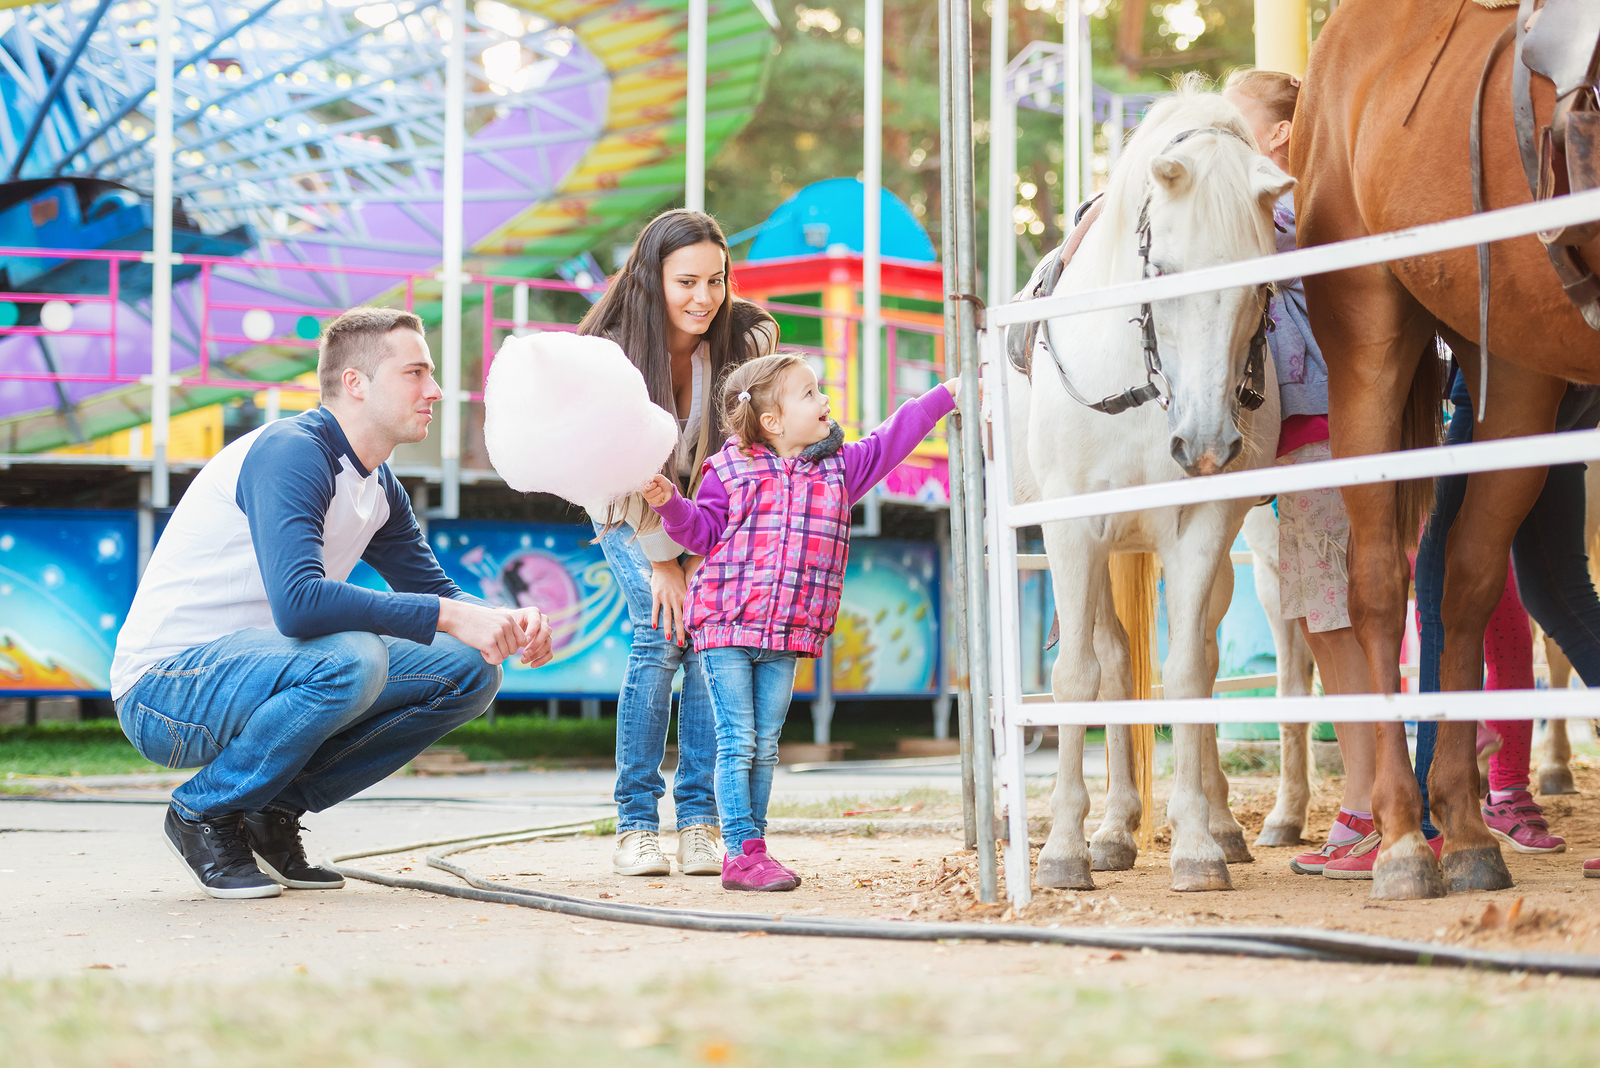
[{"x": 247, "y": 654}]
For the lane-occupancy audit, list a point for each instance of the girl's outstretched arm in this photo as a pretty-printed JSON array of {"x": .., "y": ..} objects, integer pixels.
[
  {"x": 869, "y": 461},
  {"x": 696, "y": 525}
]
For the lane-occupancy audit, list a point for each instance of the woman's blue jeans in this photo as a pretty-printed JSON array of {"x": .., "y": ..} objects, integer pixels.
[
  {"x": 299, "y": 724},
  {"x": 645, "y": 705},
  {"x": 1551, "y": 561},
  {"x": 750, "y": 690}
]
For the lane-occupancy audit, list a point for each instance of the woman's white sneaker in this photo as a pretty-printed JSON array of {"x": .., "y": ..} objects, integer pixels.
[
  {"x": 699, "y": 850},
  {"x": 639, "y": 853}
]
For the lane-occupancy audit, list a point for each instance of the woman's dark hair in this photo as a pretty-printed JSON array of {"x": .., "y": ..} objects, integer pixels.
[{"x": 633, "y": 311}]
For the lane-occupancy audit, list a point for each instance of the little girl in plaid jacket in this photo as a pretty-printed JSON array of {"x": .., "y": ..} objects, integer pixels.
[{"x": 772, "y": 519}]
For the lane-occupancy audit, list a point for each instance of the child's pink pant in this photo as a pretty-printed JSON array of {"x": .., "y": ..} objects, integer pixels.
[{"x": 1508, "y": 655}]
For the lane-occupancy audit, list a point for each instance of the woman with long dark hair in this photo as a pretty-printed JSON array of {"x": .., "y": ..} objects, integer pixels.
[{"x": 670, "y": 310}]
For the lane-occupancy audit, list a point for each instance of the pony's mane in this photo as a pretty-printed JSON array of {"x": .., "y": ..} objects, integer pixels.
[{"x": 1190, "y": 105}]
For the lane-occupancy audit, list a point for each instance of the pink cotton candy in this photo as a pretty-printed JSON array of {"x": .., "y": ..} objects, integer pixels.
[{"x": 571, "y": 416}]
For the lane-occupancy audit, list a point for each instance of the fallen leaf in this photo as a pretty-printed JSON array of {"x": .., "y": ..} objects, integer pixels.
[
  {"x": 754, "y": 934},
  {"x": 1513, "y": 912},
  {"x": 98, "y": 967},
  {"x": 1490, "y": 918}
]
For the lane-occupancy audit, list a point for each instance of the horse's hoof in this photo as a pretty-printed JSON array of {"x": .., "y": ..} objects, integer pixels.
[
  {"x": 1113, "y": 856},
  {"x": 1407, "y": 878},
  {"x": 1064, "y": 873},
  {"x": 1283, "y": 834},
  {"x": 1480, "y": 868},
  {"x": 1556, "y": 781},
  {"x": 1233, "y": 847},
  {"x": 1189, "y": 876}
]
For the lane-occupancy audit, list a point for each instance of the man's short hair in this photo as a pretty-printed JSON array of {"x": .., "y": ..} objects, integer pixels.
[{"x": 356, "y": 339}]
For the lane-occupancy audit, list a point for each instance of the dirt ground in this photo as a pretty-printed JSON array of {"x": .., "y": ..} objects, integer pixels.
[{"x": 930, "y": 877}]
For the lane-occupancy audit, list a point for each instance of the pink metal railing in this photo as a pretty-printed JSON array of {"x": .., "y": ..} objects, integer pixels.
[{"x": 209, "y": 336}]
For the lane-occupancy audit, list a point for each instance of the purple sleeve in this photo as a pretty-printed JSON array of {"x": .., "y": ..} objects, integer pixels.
[
  {"x": 869, "y": 461},
  {"x": 697, "y": 525}
]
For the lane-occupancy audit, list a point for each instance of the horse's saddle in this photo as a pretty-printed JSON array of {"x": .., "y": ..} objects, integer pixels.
[
  {"x": 1562, "y": 157},
  {"x": 1020, "y": 340}
]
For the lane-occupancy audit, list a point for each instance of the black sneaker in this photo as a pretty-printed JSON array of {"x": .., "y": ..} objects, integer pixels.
[
  {"x": 217, "y": 855},
  {"x": 275, "y": 838}
]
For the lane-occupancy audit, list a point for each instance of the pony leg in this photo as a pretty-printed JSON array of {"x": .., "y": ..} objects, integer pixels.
[
  {"x": 1065, "y": 862},
  {"x": 1477, "y": 553},
  {"x": 1225, "y": 830},
  {"x": 1113, "y": 845},
  {"x": 1286, "y": 824},
  {"x": 1555, "y": 762},
  {"x": 1382, "y": 393},
  {"x": 1198, "y": 863}
]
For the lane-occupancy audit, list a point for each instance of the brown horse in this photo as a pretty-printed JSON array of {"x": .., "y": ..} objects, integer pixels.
[{"x": 1380, "y": 144}]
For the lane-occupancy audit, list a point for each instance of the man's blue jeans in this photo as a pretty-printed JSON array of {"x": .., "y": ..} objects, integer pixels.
[
  {"x": 298, "y": 725},
  {"x": 645, "y": 705},
  {"x": 751, "y": 690}
]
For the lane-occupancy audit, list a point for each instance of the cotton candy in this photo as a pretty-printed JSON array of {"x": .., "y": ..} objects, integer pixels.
[{"x": 571, "y": 416}]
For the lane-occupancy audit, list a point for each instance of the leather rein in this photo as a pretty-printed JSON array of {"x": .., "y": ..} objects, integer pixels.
[{"x": 1251, "y": 390}]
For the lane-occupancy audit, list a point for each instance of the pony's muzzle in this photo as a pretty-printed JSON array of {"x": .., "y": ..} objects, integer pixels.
[{"x": 1206, "y": 458}]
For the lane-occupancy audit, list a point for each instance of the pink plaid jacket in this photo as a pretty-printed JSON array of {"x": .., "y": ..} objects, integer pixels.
[{"x": 774, "y": 580}]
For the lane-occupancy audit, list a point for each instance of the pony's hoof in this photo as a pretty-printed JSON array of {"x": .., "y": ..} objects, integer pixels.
[
  {"x": 1480, "y": 868},
  {"x": 1113, "y": 856},
  {"x": 1283, "y": 834},
  {"x": 1234, "y": 850},
  {"x": 1407, "y": 878},
  {"x": 1556, "y": 781},
  {"x": 1064, "y": 873},
  {"x": 1189, "y": 876}
]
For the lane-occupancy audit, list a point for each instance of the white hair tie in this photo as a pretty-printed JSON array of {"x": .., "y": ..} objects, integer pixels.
[{"x": 744, "y": 395}]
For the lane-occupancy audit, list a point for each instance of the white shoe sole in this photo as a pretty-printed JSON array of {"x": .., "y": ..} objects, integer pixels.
[
  {"x": 705, "y": 867},
  {"x": 245, "y": 892},
  {"x": 293, "y": 884},
  {"x": 661, "y": 867}
]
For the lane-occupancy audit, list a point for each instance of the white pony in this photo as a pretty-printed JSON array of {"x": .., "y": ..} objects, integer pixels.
[{"x": 1192, "y": 176}]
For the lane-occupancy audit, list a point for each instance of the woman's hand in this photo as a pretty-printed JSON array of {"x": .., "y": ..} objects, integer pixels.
[
  {"x": 658, "y": 491},
  {"x": 668, "y": 585}
]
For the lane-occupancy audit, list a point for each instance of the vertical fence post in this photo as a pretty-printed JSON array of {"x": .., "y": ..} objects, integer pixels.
[
  {"x": 1071, "y": 83},
  {"x": 956, "y": 591},
  {"x": 694, "y": 134},
  {"x": 1002, "y": 197},
  {"x": 519, "y": 309},
  {"x": 959, "y": 101},
  {"x": 161, "y": 264},
  {"x": 450, "y": 270},
  {"x": 872, "y": 222}
]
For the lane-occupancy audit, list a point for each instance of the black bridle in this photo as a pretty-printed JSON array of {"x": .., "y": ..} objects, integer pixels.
[{"x": 1251, "y": 390}]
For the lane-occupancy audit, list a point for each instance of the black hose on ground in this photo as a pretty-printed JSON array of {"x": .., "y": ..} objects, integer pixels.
[{"x": 1286, "y": 943}]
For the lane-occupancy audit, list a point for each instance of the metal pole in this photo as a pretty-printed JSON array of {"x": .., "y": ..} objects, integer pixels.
[
  {"x": 455, "y": 120},
  {"x": 872, "y": 222},
  {"x": 960, "y": 104},
  {"x": 1116, "y": 129},
  {"x": 1071, "y": 143},
  {"x": 1085, "y": 104},
  {"x": 1002, "y": 198},
  {"x": 822, "y": 706},
  {"x": 161, "y": 264},
  {"x": 956, "y": 590},
  {"x": 694, "y": 139}
]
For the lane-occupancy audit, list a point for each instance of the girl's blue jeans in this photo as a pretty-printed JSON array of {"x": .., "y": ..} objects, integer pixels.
[
  {"x": 750, "y": 691},
  {"x": 1551, "y": 561},
  {"x": 644, "y": 708},
  {"x": 299, "y": 724}
]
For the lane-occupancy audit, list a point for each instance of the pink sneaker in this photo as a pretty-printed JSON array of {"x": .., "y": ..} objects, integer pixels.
[
  {"x": 1313, "y": 862},
  {"x": 754, "y": 870},
  {"x": 1591, "y": 868},
  {"x": 1519, "y": 822}
]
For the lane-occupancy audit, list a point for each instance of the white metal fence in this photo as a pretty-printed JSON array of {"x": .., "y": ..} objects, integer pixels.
[{"x": 1010, "y": 714}]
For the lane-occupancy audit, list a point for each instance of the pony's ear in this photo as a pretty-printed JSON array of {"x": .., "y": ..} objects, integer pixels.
[
  {"x": 1268, "y": 181},
  {"x": 1171, "y": 172}
]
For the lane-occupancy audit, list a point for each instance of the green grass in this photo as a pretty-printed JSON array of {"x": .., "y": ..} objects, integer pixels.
[
  {"x": 934, "y": 801},
  {"x": 535, "y": 738},
  {"x": 1483, "y": 1022},
  {"x": 94, "y": 747}
]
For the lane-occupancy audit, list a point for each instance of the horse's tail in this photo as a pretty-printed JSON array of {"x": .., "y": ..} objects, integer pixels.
[
  {"x": 1421, "y": 427},
  {"x": 1134, "y": 582}
]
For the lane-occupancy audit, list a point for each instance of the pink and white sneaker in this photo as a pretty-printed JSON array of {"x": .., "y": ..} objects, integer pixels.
[
  {"x": 1591, "y": 868},
  {"x": 1312, "y": 863},
  {"x": 1519, "y": 822},
  {"x": 752, "y": 869}
]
